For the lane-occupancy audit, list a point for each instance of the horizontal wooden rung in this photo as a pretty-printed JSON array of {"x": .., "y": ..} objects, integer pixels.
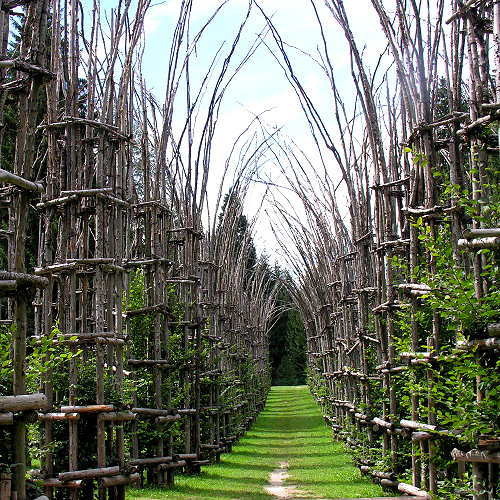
[
  {"x": 186, "y": 456},
  {"x": 20, "y": 182},
  {"x": 412, "y": 490},
  {"x": 181, "y": 281},
  {"x": 361, "y": 291},
  {"x": 172, "y": 465},
  {"x": 423, "y": 211},
  {"x": 481, "y": 232},
  {"x": 422, "y": 436},
  {"x": 56, "y": 483},
  {"x": 382, "y": 423},
  {"x": 361, "y": 416},
  {"x": 24, "y": 280},
  {"x": 394, "y": 369},
  {"x": 383, "y": 475},
  {"x": 168, "y": 419},
  {"x": 53, "y": 417},
  {"x": 386, "y": 306},
  {"x": 87, "y": 409},
  {"x": 207, "y": 446},
  {"x": 415, "y": 355},
  {"x": 122, "y": 416},
  {"x": 211, "y": 373},
  {"x": 415, "y": 288},
  {"x": 483, "y": 120},
  {"x": 118, "y": 480},
  {"x": 54, "y": 202},
  {"x": 200, "y": 463},
  {"x": 187, "y": 411},
  {"x": 154, "y": 412},
  {"x": 478, "y": 243},
  {"x": 56, "y": 268},
  {"x": 146, "y": 262},
  {"x": 24, "y": 402},
  {"x": 417, "y": 426},
  {"x": 150, "y": 461},
  {"x": 151, "y": 203},
  {"x": 476, "y": 456},
  {"x": 160, "y": 308},
  {"x": 86, "y": 192},
  {"x": 89, "y": 473}
]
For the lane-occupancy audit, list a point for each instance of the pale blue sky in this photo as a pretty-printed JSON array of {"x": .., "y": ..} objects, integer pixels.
[{"x": 261, "y": 84}]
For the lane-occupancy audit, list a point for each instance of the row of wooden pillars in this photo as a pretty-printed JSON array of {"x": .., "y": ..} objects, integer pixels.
[
  {"x": 422, "y": 179},
  {"x": 162, "y": 326}
]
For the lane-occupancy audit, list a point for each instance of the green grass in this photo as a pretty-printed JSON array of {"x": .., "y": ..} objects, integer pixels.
[
  {"x": 316, "y": 464},
  {"x": 290, "y": 429}
]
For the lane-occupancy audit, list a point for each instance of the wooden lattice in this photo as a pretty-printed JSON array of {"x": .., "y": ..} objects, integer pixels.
[
  {"x": 155, "y": 317},
  {"x": 420, "y": 168}
]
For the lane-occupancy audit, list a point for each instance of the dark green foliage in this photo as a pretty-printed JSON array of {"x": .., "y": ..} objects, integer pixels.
[
  {"x": 287, "y": 342},
  {"x": 291, "y": 367},
  {"x": 243, "y": 237}
]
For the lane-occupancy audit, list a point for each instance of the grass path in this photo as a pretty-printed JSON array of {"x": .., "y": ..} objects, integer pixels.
[{"x": 289, "y": 430}]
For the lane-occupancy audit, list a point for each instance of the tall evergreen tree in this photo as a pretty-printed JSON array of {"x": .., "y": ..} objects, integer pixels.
[
  {"x": 287, "y": 341},
  {"x": 243, "y": 235}
]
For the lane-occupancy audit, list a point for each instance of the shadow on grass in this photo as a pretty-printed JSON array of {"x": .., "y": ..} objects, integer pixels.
[
  {"x": 287, "y": 454},
  {"x": 290, "y": 429},
  {"x": 245, "y": 466},
  {"x": 186, "y": 493}
]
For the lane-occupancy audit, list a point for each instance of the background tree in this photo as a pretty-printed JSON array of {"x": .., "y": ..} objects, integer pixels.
[{"x": 287, "y": 340}]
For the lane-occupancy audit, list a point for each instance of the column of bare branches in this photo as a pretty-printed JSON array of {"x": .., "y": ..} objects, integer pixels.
[
  {"x": 245, "y": 301},
  {"x": 27, "y": 75},
  {"x": 131, "y": 279},
  {"x": 83, "y": 248},
  {"x": 420, "y": 182},
  {"x": 199, "y": 322}
]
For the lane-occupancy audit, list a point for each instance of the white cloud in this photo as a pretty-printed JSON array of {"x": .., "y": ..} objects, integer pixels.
[
  {"x": 156, "y": 15},
  {"x": 166, "y": 13}
]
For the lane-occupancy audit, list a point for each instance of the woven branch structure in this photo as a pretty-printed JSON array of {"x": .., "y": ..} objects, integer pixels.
[
  {"x": 400, "y": 302},
  {"x": 161, "y": 325}
]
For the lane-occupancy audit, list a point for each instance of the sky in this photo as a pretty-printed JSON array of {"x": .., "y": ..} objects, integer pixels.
[{"x": 261, "y": 84}]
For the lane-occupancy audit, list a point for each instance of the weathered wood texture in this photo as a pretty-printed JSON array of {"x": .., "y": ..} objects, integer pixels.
[
  {"x": 126, "y": 272},
  {"x": 362, "y": 271}
]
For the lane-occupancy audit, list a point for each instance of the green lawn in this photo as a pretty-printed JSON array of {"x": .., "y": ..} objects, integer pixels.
[{"x": 290, "y": 429}]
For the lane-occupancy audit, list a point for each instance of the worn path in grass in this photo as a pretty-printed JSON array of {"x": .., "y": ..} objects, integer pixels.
[{"x": 290, "y": 439}]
